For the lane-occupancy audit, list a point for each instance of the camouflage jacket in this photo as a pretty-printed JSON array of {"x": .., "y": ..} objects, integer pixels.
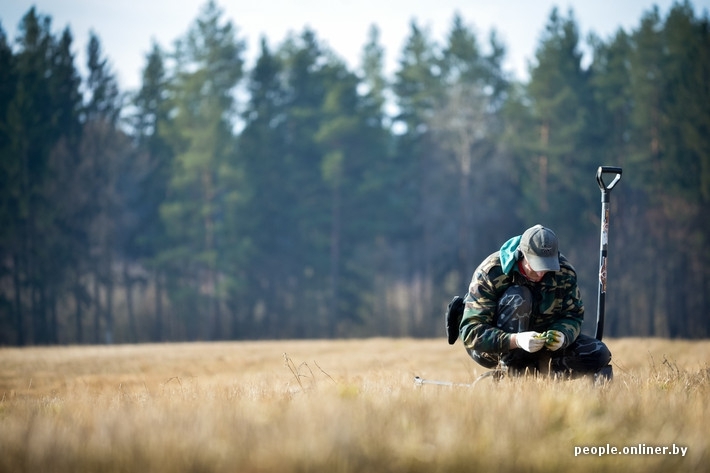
[{"x": 557, "y": 303}]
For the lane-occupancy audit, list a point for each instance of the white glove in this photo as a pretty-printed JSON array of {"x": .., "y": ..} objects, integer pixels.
[
  {"x": 529, "y": 341},
  {"x": 554, "y": 340}
]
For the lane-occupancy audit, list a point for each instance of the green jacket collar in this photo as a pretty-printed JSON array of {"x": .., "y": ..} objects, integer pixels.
[{"x": 508, "y": 254}]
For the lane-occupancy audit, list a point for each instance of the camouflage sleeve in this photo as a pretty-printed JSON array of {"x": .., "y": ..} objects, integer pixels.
[
  {"x": 571, "y": 309},
  {"x": 478, "y": 330}
]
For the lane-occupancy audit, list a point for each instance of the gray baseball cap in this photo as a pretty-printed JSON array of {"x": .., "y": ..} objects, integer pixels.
[{"x": 540, "y": 247}]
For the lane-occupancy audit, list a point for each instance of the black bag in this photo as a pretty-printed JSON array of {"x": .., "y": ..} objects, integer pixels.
[{"x": 454, "y": 313}]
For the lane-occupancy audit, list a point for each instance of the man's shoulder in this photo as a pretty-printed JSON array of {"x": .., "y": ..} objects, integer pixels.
[
  {"x": 566, "y": 267},
  {"x": 489, "y": 263},
  {"x": 491, "y": 270}
]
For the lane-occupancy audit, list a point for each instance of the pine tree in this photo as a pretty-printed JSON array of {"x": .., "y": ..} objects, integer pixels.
[
  {"x": 467, "y": 125},
  {"x": 209, "y": 66},
  {"x": 670, "y": 170},
  {"x": 563, "y": 108},
  {"x": 29, "y": 127},
  {"x": 611, "y": 84},
  {"x": 267, "y": 219},
  {"x": 11, "y": 319},
  {"x": 64, "y": 188},
  {"x": 106, "y": 151},
  {"x": 418, "y": 87},
  {"x": 149, "y": 121},
  {"x": 372, "y": 70}
]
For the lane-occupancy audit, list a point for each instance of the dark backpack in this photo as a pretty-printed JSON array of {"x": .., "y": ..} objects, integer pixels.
[{"x": 454, "y": 313}]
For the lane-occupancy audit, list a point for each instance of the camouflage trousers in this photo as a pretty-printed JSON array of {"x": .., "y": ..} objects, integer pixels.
[{"x": 586, "y": 355}]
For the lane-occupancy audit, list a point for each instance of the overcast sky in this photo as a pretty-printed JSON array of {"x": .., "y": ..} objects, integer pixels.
[{"x": 126, "y": 28}]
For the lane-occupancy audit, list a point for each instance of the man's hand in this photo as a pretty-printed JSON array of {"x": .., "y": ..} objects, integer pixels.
[
  {"x": 554, "y": 340},
  {"x": 529, "y": 341}
]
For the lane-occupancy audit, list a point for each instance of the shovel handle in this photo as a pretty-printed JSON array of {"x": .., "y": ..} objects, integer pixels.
[{"x": 604, "y": 187}]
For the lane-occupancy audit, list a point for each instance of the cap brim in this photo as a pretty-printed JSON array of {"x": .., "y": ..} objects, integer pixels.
[{"x": 538, "y": 263}]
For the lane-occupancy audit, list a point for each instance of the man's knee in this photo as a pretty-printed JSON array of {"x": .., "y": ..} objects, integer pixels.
[
  {"x": 586, "y": 354},
  {"x": 594, "y": 350},
  {"x": 604, "y": 354},
  {"x": 487, "y": 360}
]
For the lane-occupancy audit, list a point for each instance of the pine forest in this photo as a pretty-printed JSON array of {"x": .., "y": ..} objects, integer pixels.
[{"x": 300, "y": 198}]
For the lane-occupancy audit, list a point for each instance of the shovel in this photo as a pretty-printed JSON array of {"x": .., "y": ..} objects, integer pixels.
[{"x": 604, "y": 240}]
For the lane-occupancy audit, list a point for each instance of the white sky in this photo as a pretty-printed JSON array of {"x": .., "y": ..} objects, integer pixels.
[{"x": 126, "y": 28}]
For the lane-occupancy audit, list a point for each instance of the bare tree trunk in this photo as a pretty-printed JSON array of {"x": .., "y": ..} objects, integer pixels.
[
  {"x": 17, "y": 296},
  {"x": 97, "y": 308},
  {"x": 544, "y": 141},
  {"x": 109, "y": 309},
  {"x": 79, "y": 312},
  {"x": 335, "y": 235},
  {"x": 158, "y": 334},
  {"x": 128, "y": 283},
  {"x": 53, "y": 322},
  {"x": 39, "y": 314}
]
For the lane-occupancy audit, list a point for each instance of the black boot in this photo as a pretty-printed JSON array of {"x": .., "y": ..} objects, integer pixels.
[{"x": 604, "y": 375}]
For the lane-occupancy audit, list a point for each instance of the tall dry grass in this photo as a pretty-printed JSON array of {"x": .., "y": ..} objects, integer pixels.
[{"x": 341, "y": 406}]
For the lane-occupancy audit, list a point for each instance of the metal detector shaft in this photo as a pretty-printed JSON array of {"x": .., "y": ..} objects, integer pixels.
[
  {"x": 421, "y": 381},
  {"x": 496, "y": 374},
  {"x": 604, "y": 241}
]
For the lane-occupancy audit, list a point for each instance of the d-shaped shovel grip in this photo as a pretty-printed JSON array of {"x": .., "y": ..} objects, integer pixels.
[{"x": 608, "y": 170}]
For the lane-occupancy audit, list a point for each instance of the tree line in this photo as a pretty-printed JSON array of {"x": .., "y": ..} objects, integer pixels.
[{"x": 300, "y": 198}]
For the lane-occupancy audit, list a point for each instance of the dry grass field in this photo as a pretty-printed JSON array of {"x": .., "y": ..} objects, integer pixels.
[{"x": 343, "y": 406}]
